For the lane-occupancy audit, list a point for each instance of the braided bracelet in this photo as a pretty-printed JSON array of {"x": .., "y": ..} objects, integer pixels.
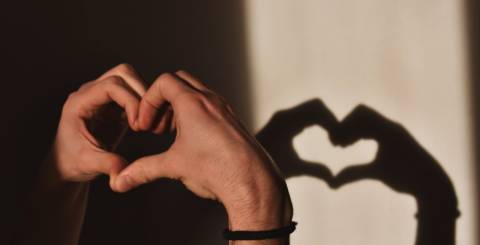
[{"x": 260, "y": 235}]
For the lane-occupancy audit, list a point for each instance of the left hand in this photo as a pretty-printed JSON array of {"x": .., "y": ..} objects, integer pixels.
[{"x": 92, "y": 123}]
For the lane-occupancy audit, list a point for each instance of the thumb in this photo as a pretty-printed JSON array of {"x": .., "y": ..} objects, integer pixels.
[
  {"x": 106, "y": 163},
  {"x": 144, "y": 170},
  {"x": 352, "y": 174}
]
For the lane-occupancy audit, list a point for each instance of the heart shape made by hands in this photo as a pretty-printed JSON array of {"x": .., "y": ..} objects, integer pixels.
[{"x": 313, "y": 145}]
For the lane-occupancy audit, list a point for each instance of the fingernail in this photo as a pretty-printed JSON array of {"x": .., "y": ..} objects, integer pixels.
[{"x": 124, "y": 182}]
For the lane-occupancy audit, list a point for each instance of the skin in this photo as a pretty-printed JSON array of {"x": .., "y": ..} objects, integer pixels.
[{"x": 213, "y": 155}]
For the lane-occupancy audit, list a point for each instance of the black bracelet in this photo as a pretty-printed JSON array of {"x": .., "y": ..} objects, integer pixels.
[{"x": 260, "y": 235}]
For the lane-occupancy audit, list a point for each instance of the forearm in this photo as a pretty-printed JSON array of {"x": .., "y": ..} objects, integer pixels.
[
  {"x": 436, "y": 223},
  {"x": 54, "y": 211}
]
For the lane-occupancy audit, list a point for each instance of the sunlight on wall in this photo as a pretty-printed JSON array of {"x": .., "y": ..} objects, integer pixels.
[{"x": 405, "y": 59}]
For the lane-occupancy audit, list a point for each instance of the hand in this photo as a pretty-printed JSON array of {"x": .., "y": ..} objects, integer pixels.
[
  {"x": 277, "y": 137},
  {"x": 401, "y": 162},
  {"x": 213, "y": 154},
  {"x": 92, "y": 123}
]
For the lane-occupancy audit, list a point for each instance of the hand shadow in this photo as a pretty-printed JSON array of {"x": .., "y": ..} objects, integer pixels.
[
  {"x": 401, "y": 162},
  {"x": 277, "y": 138}
]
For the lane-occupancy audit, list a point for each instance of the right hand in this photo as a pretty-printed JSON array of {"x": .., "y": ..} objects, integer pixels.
[
  {"x": 213, "y": 155},
  {"x": 401, "y": 162},
  {"x": 278, "y": 134}
]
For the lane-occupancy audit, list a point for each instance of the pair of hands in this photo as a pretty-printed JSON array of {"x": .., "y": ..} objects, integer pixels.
[{"x": 213, "y": 154}]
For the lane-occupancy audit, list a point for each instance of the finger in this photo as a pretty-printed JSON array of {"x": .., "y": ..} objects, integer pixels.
[
  {"x": 149, "y": 116},
  {"x": 313, "y": 111},
  {"x": 354, "y": 173},
  {"x": 362, "y": 123},
  {"x": 322, "y": 115},
  {"x": 130, "y": 75},
  {"x": 307, "y": 113},
  {"x": 106, "y": 163},
  {"x": 193, "y": 81},
  {"x": 111, "y": 89},
  {"x": 317, "y": 170},
  {"x": 163, "y": 91},
  {"x": 145, "y": 170},
  {"x": 164, "y": 123}
]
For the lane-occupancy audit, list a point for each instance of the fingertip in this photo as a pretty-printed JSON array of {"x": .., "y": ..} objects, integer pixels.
[
  {"x": 334, "y": 186},
  {"x": 136, "y": 125},
  {"x": 123, "y": 183},
  {"x": 133, "y": 125},
  {"x": 142, "y": 124},
  {"x": 132, "y": 114},
  {"x": 164, "y": 122},
  {"x": 112, "y": 183},
  {"x": 145, "y": 115}
]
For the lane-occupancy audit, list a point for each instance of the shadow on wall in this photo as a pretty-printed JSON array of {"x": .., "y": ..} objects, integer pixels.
[
  {"x": 400, "y": 163},
  {"x": 49, "y": 48}
]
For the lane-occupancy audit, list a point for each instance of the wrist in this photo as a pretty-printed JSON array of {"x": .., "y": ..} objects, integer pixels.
[
  {"x": 437, "y": 207},
  {"x": 261, "y": 209}
]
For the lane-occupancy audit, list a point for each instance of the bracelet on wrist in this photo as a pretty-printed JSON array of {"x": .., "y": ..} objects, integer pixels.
[{"x": 260, "y": 235}]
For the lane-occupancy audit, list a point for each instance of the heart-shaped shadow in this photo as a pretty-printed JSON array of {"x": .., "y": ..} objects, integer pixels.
[{"x": 400, "y": 163}]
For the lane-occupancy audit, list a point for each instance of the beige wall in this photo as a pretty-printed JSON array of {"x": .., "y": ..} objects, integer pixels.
[{"x": 404, "y": 58}]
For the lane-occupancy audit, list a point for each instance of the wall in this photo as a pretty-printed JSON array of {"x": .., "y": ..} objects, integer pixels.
[{"x": 405, "y": 59}]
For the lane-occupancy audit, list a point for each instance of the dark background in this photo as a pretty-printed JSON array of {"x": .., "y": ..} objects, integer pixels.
[{"x": 49, "y": 48}]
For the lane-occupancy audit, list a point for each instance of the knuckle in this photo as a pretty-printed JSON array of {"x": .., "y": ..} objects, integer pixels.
[
  {"x": 280, "y": 115},
  {"x": 113, "y": 81},
  {"x": 86, "y": 85},
  {"x": 166, "y": 76},
  {"x": 181, "y": 71},
  {"x": 72, "y": 95},
  {"x": 70, "y": 103},
  {"x": 125, "y": 67},
  {"x": 162, "y": 81},
  {"x": 361, "y": 108},
  {"x": 217, "y": 107},
  {"x": 317, "y": 102},
  {"x": 190, "y": 98},
  {"x": 216, "y": 98}
]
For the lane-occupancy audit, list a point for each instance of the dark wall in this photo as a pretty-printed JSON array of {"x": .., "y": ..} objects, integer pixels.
[{"x": 49, "y": 48}]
